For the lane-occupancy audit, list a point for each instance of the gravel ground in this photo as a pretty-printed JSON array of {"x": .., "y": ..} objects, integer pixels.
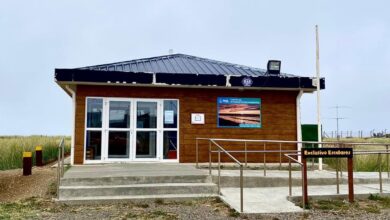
[{"x": 31, "y": 198}]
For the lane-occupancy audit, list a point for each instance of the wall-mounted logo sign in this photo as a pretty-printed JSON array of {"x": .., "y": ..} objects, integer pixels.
[
  {"x": 239, "y": 112},
  {"x": 197, "y": 118},
  {"x": 247, "y": 82}
]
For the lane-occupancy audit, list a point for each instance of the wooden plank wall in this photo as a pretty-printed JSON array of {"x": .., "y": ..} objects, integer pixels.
[{"x": 278, "y": 118}]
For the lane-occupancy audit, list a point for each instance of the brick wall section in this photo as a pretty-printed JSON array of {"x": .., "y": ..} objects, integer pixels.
[{"x": 278, "y": 118}]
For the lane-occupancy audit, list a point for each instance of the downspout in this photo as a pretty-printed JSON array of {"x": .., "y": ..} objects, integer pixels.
[
  {"x": 299, "y": 128},
  {"x": 73, "y": 123}
]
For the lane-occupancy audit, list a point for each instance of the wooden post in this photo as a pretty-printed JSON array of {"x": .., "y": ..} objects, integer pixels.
[
  {"x": 27, "y": 163},
  {"x": 305, "y": 193},
  {"x": 350, "y": 180},
  {"x": 38, "y": 156}
]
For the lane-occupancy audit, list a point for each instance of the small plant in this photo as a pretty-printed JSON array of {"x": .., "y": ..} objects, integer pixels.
[
  {"x": 142, "y": 205},
  {"x": 159, "y": 201},
  {"x": 372, "y": 209},
  {"x": 233, "y": 213}
]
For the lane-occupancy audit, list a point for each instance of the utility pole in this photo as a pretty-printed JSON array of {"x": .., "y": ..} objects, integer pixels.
[
  {"x": 337, "y": 118},
  {"x": 319, "y": 133}
]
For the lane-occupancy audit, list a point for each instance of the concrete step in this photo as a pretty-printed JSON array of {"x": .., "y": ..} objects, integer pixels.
[
  {"x": 110, "y": 199},
  {"x": 67, "y": 192},
  {"x": 130, "y": 180}
]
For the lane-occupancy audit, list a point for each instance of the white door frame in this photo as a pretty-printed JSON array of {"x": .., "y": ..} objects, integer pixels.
[{"x": 133, "y": 131}]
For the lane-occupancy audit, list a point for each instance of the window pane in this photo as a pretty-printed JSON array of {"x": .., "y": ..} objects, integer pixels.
[
  {"x": 146, "y": 144},
  {"x": 170, "y": 114},
  {"x": 118, "y": 144},
  {"x": 146, "y": 114},
  {"x": 94, "y": 113},
  {"x": 93, "y": 145},
  {"x": 170, "y": 144},
  {"x": 119, "y": 114}
]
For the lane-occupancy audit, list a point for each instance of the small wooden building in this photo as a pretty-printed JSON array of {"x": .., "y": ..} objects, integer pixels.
[{"x": 152, "y": 109}]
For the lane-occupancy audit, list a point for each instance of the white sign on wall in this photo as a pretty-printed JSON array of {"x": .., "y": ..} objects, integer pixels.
[{"x": 197, "y": 118}]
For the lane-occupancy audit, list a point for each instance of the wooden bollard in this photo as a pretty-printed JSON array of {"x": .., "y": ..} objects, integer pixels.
[
  {"x": 38, "y": 156},
  {"x": 27, "y": 163}
]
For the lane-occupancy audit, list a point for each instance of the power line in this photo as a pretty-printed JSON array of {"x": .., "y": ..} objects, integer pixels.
[{"x": 337, "y": 118}]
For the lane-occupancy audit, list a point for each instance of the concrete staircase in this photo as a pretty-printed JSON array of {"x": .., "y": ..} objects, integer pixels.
[{"x": 135, "y": 186}]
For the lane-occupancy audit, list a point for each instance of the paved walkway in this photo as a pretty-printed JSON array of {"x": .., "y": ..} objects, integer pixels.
[{"x": 274, "y": 199}]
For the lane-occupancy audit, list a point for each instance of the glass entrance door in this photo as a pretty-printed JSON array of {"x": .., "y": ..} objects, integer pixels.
[
  {"x": 146, "y": 129},
  {"x": 131, "y": 129},
  {"x": 119, "y": 130}
]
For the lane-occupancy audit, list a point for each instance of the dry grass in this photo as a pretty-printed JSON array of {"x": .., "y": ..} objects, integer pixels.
[
  {"x": 12, "y": 147},
  {"x": 368, "y": 163}
]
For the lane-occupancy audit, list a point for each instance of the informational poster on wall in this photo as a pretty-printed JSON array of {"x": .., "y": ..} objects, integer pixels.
[{"x": 239, "y": 112}]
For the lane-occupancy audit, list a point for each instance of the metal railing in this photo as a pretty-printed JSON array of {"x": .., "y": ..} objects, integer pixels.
[
  {"x": 60, "y": 164},
  {"x": 219, "y": 171},
  {"x": 290, "y": 158},
  {"x": 287, "y": 153}
]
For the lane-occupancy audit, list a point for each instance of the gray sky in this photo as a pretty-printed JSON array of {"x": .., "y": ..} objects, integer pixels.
[{"x": 38, "y": 36}]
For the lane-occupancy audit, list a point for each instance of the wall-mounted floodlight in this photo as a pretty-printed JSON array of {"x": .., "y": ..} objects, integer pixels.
[{"x": 273, "y": 66}]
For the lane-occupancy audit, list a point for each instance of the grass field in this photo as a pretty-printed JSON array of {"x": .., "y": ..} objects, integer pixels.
[
  {"x": 363, "y": 162},
  {"x": 12, "y": 147}
]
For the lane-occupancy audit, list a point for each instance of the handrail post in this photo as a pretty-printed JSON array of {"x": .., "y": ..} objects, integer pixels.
[
  {"x": 219, "y": 171},
  {"x": 196, "y": 153},
  {"x": 209, "y": 157},
  {"x": 380, "y": 172},
  {"x": 246, "y": 155},
  {"x": 387, "y": 161},
  {"x": 303, "y": 186},
  {"x": 280, "y": 156},
  {"x": 62, "y": 159},
  {"x": 337, "y": 175},
  {"x": 241, "y": 189},
  {"x": 264, "y": 164},
  {"x": 312, "y": 159},
  {"x": 289, "y": 178}
]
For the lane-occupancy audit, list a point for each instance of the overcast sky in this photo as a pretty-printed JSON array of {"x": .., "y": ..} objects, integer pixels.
[{"x": 38, "y": 36}]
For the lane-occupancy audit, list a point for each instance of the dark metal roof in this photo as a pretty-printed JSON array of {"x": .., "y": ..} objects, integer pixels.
[
  {"x": 181, "y": 64},
  {"x": 183, "y": 70}
]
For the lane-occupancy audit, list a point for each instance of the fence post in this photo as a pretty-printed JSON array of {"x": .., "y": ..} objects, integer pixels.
[
  {"x": 387, "y": 161},
  {"x": 27, "y": 163},
  {"x": 38, "y": 156},
  {"x": 380, "y": 172}
]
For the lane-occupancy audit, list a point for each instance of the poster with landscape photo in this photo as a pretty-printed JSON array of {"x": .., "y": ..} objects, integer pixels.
[{"x": 239, "y": 112}]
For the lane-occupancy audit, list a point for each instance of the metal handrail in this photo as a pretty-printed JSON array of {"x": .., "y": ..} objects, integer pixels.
[
  {"x": 288, "y": 155},
  {"x": 219, "y": 171},
  {"x": 295, "y": 142},
  {"x": 60, "y": 165}
]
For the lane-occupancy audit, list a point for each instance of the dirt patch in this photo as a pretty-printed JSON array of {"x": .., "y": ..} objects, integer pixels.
[{"x": 14, "y": 186}]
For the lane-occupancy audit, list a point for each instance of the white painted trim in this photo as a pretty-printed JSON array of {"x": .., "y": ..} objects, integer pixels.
[
  {"x": 73, "y": 93},
  {"x": 133, "y": 130},
  {"x": 299, "y": 129}
]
